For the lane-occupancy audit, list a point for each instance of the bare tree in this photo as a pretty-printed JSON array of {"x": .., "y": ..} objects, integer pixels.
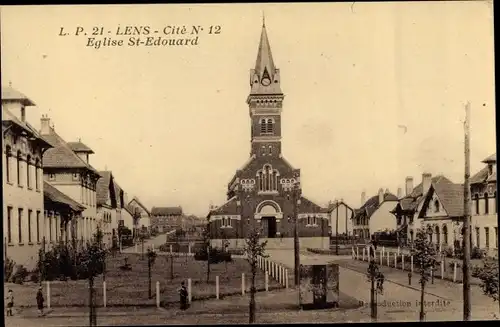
[
  {"x": 254, "y": 249},
  {"x": 424, "y": 254},
  {"x": 151, "y": 262}
]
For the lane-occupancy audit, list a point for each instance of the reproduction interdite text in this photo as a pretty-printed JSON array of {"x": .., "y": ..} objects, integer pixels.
[{"x": 98, "y": 37}]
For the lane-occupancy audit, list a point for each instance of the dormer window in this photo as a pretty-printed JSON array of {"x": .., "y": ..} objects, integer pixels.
[{"x": 436, "y": 206}]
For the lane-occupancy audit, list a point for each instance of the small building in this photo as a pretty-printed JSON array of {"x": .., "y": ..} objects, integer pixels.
[
  {"x": 137, "y": 208},
  {"x": 375, "y": 215},
  {"x": 109, "y": 205},
  {"x": 341, "y": 215},
  {"x": 60, "y": 216},
  {"x": 22, "y": 181},
  {"x": 165, "y": 219}
]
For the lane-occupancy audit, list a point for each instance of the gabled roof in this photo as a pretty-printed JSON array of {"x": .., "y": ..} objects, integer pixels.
[
  {"x": 11, "y": 94},
  {"x": 165, "y": 211},
  {"x": 80, "y": 147},
  {"x": 103, "y": 188},
  {"x": 373, "y": 203},
  {"x": 492, "y": 158},
  {"x": 9, "y": 118},
  {"x": 139, "y": 203},
  {"x": 53, "y": 194},
  {"x": 332, "y": 206},
  {"x": 229, "y": 207},
  {"x": 451, "y": 196},
  {"x": 411, "y": 202},
  {"x": 61, "y": 155}
]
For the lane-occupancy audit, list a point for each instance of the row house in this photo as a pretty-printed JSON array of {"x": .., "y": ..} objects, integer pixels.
[
  {"x": 374, "y": 215},
  {"x": 59, "y": 213},
  {"x": 165, "y": 219},
  {"x": 340, "y": 217},
  {"x": 22, "y": 171},
  {"x": 141, "y": 215},
  {"x": 67, "y": 168},
  {"x": 109, "y": 206}
]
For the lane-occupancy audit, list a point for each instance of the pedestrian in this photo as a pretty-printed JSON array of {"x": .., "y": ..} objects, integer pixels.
[
  {"x": 10, "y": 302},
  {"x": 39, "y": 301},
  {"x": 183, "y": 296}
]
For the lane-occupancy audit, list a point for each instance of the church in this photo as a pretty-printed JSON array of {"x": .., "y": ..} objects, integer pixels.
[{"x": 265, "y": 192}]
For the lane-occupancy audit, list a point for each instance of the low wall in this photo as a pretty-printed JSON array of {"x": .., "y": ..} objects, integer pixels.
[{"x": 279, "y": 243}]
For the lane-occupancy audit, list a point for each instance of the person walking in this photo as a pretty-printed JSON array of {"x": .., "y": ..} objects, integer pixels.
[
  {"x": 183, "y": 296},
  {"x": 39, "y": 301},
  {"x": 10, "y": 303}
]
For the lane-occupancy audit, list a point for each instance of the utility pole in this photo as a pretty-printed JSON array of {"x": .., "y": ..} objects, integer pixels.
[
  {"x": 466, "y": 223},
  {"x": 296, "y": 199},
  {"x": 337, "y": 228}
]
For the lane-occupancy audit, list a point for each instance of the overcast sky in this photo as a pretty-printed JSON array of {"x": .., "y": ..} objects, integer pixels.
[{"x": 172, "y": 123}]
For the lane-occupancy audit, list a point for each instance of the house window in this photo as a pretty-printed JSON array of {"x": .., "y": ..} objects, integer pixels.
[
  {"x": 436, "y": 206},
  {"x": 7, "y": 163},
  {"x": 486, "y": 204},
  {"x": 28, "y": 179},
  {"x": 487, "y": 237},
  {"x": 29, "y": 225},
  {"x": 476, "y": 196},
  {"x": 38, "y": 226},
  {"x": 37, "y": 175},
  {"x": 52, "y": 177},
  {"x": 20, "y": 224},
  {"x": 226, "y": 222},
  {"x": 445, "y": 234},
  {"x": 9, "y": 225},
  {"x": 19, "y": 168},
  {"x": 478, "y": 237},
  {"x": 311, "y": 220}
]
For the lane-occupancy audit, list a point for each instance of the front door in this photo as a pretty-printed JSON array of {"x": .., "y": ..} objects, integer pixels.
[{"x": 271, "y": 227}]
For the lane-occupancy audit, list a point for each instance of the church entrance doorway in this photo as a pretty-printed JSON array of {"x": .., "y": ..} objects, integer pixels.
[{"x": 271, "y": 226}]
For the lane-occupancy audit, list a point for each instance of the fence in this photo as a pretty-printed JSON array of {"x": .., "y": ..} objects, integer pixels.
[{"x": 446, "y": 270}]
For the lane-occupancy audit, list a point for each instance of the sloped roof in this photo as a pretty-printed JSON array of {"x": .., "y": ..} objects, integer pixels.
[
  {"x": 8, "y": 116},
  {"x": 491, "y": 158},
  {"x": 373, "y": 203},
  {"x": 334, "y": 205},
  {"x": 451, "y": 196},
  {"x": 102, "y": 187},
  {"x": 229, "y": 207},
  {"x": 139, "y": 203},
  {"x": 165, "y": 211},
  {"x": 492, "y": 178},
  {"x": 53, "y": 194},
  {"x": 11, "y": 94},
  {"x": 61, "y": 155},
  {"x": 411, "y": 202},
  {"x": 80, "y": 147}
]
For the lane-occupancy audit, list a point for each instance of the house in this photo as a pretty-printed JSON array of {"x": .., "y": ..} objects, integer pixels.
[
  {"x": 484, "y": 209},
  {"x": 340, "y": 214},
  {"x": 137, "y": 208},
  {"x": 59, "y": 214},
  {"x": 165, "y": 219},
  {"x": 109, "y": 206},
  {"x": 67, "y": 168},
  {"x": 127, "y": 218},
  {"x": 375, "y": 214},
  {"x": 409, "y": 205},
  {"x": 265, "y": 192},
  {"x": 22, "y": 169}
]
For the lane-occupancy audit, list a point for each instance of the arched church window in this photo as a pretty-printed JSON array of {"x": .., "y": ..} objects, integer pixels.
[
  {"x": 263, "y": 126},
  {"x": 270, "y": 126},
  {"x": 267, "y": 179}
]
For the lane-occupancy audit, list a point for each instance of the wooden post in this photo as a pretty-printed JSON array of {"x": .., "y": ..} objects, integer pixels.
[
  {"x": 411, "y": 263},
  {"x": 383, "y": 250},
  {"x": 104, "y": 293},
  {"x": 398, "y": 250},
  {"x": 266, "y": 280},
  {"x": 286, "y": 278},
  {"x": 388, "y": 260},
  {"x": 189, "y": 290},
  {"x": 217, "y": 287},
  {"x": 466, "y": 220},
  {"x": 157, "y": 294},
  {"x": 403, "y": 262},
  {"x": 363, "y": 254},
  {"x": 136, "y": 248},
  {"x": 353, "y": 254},
  {"x": 48, "y": 294},
  {"x": 171, "y": 248},
  {"x": 395, "y": 260},
  {"x": 454, "y": 272},
  {"x": 442, "y": 269},
  {"x": 381, "y": 257},
  {"x": 357, "y": 253},
  {"x": 242, "y": 283},
  {"x": 189, "y": 248}
]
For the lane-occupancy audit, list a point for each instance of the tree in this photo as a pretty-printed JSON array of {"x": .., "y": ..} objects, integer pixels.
[
  {"x": 488, "y": 274},
  {"x": 206, "y": 245},
  {"x": 424, "y": 255},
  {"x": 136, "y": 216},
  {"x": 151, "y": 262},
  {"x": 93, "y": 264},
  {"x": 254, "y": 249}
]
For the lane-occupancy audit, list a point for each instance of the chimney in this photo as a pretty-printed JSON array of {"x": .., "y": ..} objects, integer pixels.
[
  {"x": 408, "y": 185},
  {"x": 380, "y": 195},
  {"x": 400, "y": 193},
  {"x": 363, "y": 197},
  {"x": 45, "y": 125},
  {"x": 426, "y": 182}
]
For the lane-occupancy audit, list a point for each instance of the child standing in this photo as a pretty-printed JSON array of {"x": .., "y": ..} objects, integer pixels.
[
  {"x": 39, "y": 301},
  {"x": 10, "y": 302}
]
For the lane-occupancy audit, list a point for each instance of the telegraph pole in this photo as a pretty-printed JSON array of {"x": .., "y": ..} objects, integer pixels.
[
  {"x": 296, "y": 253},
  {"x": 466, "y": 223},
  {"x": 337, "y": 229}
]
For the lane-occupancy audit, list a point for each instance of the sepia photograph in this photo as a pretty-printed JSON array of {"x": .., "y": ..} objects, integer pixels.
[{"x": 251, "y": 163}]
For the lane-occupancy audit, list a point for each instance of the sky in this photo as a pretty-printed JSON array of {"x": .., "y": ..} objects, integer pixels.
[{"x": 374, "y": 92}]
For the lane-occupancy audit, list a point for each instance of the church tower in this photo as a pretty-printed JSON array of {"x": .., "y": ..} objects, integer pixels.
[{"x": 265, "y": 102}]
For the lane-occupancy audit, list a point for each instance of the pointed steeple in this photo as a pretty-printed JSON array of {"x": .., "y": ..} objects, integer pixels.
[{"x": 264, "y": 79}]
